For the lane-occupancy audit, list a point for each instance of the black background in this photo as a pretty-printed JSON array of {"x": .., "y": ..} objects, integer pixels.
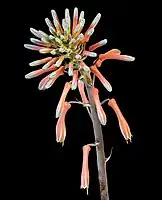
[{"x": 46, "y": 169}]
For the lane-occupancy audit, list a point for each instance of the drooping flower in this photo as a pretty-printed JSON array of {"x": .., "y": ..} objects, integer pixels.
[
  {"x": 100, "y": 112},
  {"x": 62, "y": 99},
  {"x": 85, "y": 168},
  {"x": 105, "y": 83},
  {"x": 82, "y": 92},
  {"x": 74, "y": 80},
  {"x": 124, "y": 127},
  {"x": 60, "y": 126}
]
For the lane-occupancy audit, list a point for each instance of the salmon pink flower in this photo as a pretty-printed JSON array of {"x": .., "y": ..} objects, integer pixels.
[
  {"x": 60, "y": 126},
  {"x": 85, "y": 168},
  {"x": 75, "y": 18},
  {"x": 39, "y": 72},
  {"x": 82, "y": 92},
  {"x": 105, "y": 83},
  {"x": 75, "y": 80},
  {"x": 113, "y": 54},
  {"x": 62, "y": 99},
  {"x": 124, "y": 127},
  {"x": 100, "y": 112},
  {"x": 49, "y": 80},
  {"x": 97, "y": 45}
]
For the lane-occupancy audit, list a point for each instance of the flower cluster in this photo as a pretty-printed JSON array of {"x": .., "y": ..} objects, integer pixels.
[
  {"x": 67, "y": 50},
  {"x": 67, "y": 46}
]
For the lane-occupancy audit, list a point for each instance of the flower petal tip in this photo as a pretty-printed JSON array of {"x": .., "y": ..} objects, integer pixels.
[
  {"x": 57, "y": 115},
  {"x": 129, "y": 58}
]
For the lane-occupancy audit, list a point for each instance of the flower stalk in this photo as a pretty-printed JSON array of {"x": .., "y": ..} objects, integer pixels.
[
  {"x": 101, "y": 164},
  {"x": 66, "y": 47}
]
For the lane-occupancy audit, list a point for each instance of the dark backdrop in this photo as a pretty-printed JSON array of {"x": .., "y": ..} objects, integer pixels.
[{"x": 46, "y": 169}]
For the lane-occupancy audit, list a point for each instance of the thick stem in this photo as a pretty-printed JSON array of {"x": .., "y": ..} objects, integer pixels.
[{"x": 101, "y": 164}]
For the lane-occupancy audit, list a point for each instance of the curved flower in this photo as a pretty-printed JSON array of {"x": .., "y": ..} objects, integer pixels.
[
  {"x": 85, "y": 168},
  {"x": 60, "y": 126},
  {"x": 124, "y": 127},
  {"x": 113, "y": 54},
  {"x": 100, "y": 111}
]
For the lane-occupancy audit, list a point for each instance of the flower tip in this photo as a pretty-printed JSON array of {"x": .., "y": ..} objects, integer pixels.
[
  {"x": 87, "y": 190},
  {"x": 110, "y": 89},
  {"x": 57, "y": 114},
  {"x": 27, "y": 76},
  {"x": 129, "y": 140},
  {"x": 129, "y": 58},
  {"x": 40, "y": 87},
  {"x": 107, "y": 86},
  {"x": 26, "y": 46},
  {"x": 103, "y": 42},
  {"x": 133, "y": 58},
  {"x": 31, "y": 29},
  {"x": 98, "y": 16}
]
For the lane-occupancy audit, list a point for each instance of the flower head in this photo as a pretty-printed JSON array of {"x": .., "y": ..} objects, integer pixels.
[
  {"x": 67, "y": 46},
  {"x": 124, "y": 127}
]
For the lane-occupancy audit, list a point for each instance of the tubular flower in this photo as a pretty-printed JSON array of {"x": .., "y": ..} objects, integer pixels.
[
  {"x": 105, "y": 83},
  {"x": 48, "y": 81},
  {"x": 60, "y": 126},
  {"x": 113, "y": 54},
  {"x": 75, "y": 80},
  {"x": 62, "y": 99},
  {"x": 100, "y": 112},
  {"x": 124, "y": 127},
  {"x": 85, "y": 168},
  {"x": 82, "y": 92}
]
